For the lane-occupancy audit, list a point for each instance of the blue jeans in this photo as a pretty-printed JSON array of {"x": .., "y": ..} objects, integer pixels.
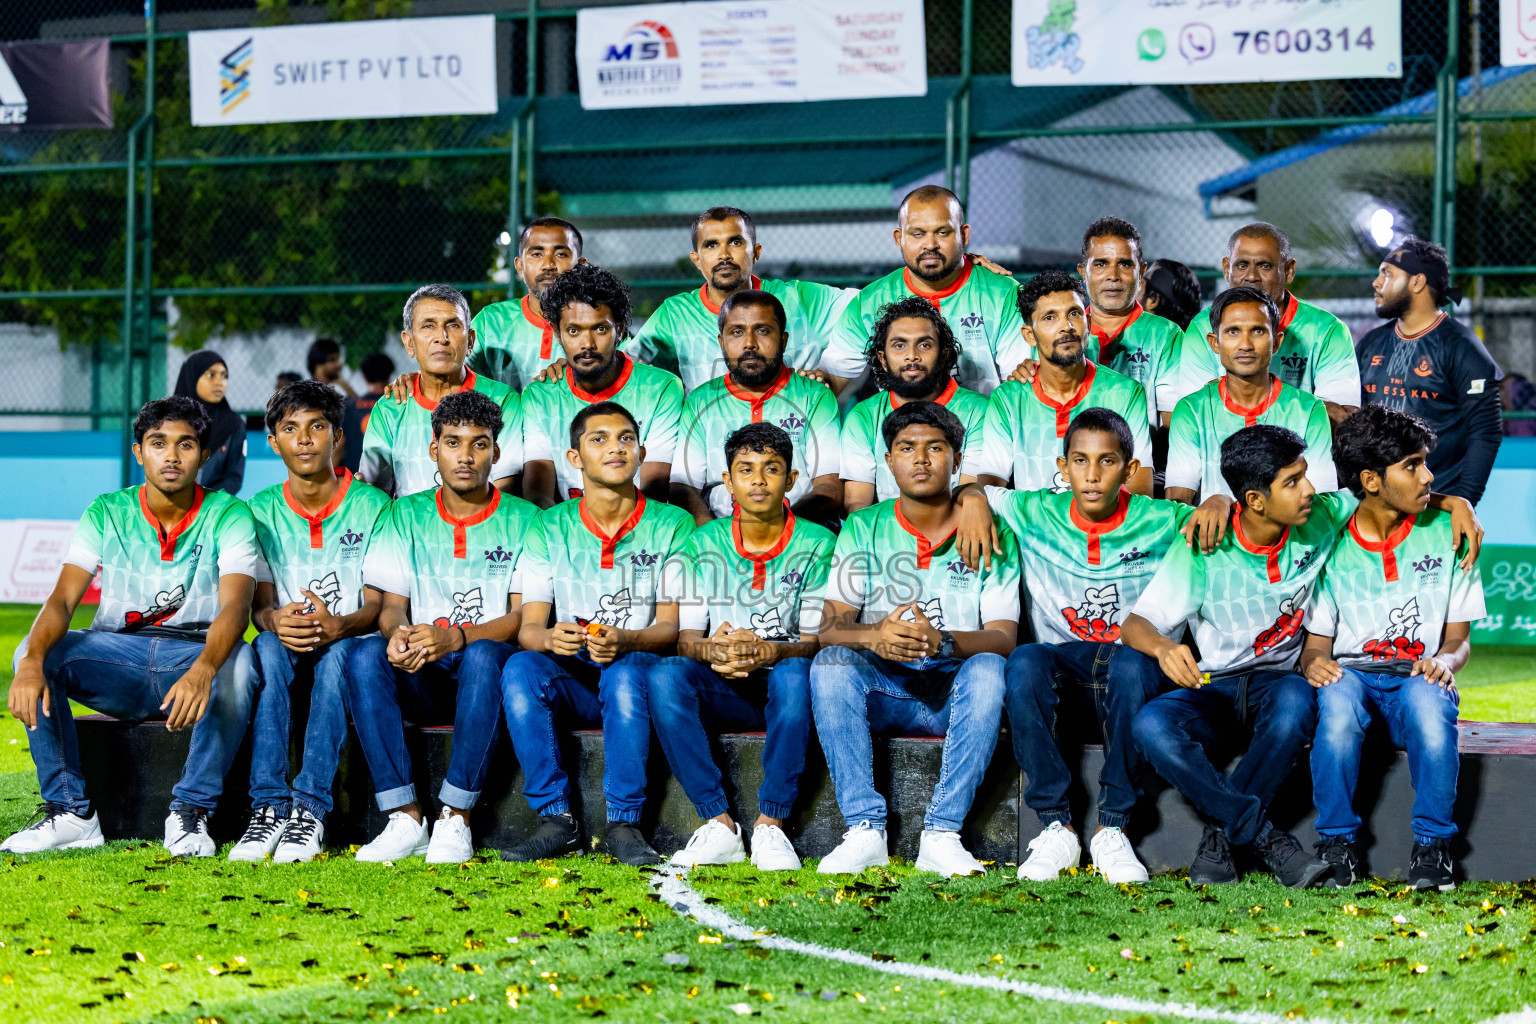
[
  {"x": 684, "y": 692},
  {"x": 1421, "y": 718},
  {"x": 464, "y": 685},
  {"x": 1119, "y": 680},
  {"x": 856, "y": 692},
  {"x": 1176, "y": 731},
  {"x": 127, "y": 677},
  {"x": 537, "y": 687},
  {"x": 324, "y": 734}
]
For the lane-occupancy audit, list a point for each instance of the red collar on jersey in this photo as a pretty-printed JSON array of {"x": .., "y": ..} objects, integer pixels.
[
  {"x": 166, "y": 537},
  {"x": 601, "y": 396},
  {"x": 1270, "y": 552},
  {"x": 316, "y": 538},
  {"x": 547, "y": 343},
  {"x": 925, "y": 550},
  {"x": 757, "y": 286},
  {"x": 758, "y": 401},
  {"x": 1250, "y": 416},
  {"x": 428, "y": 404},
  {"x": 1096, "y": 530},
  {"x": 1106, "y": 342},
  {"x": 943, "y": 399},
  {"x": 1385, "y": 548},
  {"x": 1292, "y": 304},
  {"x": 611, "y": 544},
  {"x": 934, "y": 298},
  {"x": 461, "y": 526},
  {"x": 1064, "y": 409},
  {"x": 760, "y": 559}
]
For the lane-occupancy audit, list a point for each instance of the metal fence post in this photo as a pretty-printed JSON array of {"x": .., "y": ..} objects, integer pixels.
[
  {"x": 1444, "y": 223},
  {"x": 963, "y": 157},
  {"x": 130, "y": 241},
  {"x": 531, "y": 89}
]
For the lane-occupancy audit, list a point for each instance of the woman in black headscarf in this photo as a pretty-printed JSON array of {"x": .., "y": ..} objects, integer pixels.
[{"x": 205, "y": 378}]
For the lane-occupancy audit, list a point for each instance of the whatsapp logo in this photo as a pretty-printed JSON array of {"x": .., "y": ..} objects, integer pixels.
[{"x": 1151, "y": 45}]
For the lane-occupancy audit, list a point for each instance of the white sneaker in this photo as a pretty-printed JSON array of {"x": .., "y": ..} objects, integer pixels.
[
  {"x": 863, "y": 846},
  {"x": 772, "y": 850},
  {"x": 1050, "y": 853},
  {"x": 711, "y": 843},
  {"x": 260, "y": 836},
  {"x": 940, "y": 850},
  {"x": 186, "y": 833},
  {"x": 451, "y": 842},
  {"x": 56, "y": 829},
  {"x": 1113, "y": 856},
  {"x": 402, "y": 837},
  {"x": 300, "y": 839}
]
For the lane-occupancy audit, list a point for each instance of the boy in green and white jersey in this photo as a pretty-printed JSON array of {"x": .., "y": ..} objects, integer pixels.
[
  {"x": 178, "y": 565},
  {"x": 682, "y": 335},
  {"x": 513, "y": 341},
  {"x": 758, "y": 388}
]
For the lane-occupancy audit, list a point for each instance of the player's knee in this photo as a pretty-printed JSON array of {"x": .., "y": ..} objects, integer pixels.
[{"x": 982, "y": 678}]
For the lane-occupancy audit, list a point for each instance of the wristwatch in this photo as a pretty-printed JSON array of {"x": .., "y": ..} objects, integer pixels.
[{"x": 946, "y": 644}]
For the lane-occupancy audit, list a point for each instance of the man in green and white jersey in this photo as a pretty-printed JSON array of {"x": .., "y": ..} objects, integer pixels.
[
  {"x": 313, "y": 530},
  {"x": 450, "y": 613},
  {"x": 758, "y": 388},
  {"x": 748, "y": 619},
  {"x": 682, "y": 335},
  {"x": 590, "y": 310},
  {"x": 911, "y": 358},
  {"x": 1387, "y": 630},
  {"x": 1247, "y": 324},
  {"x": 178, "y": 566},
  {"x": 513, "y": 341},
  {"x": 978, "y": 303},
  {"x": 912, "y": 642},
  {"x": 395, "y": 449},
  {"x": 1316, "y": 354},
  {"x": 599, "y": 579},
  {"x": 1025, "y": 423}
]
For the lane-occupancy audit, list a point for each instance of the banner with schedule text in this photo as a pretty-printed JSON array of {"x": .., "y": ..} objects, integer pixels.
[{"x": 1168, "y": 42}]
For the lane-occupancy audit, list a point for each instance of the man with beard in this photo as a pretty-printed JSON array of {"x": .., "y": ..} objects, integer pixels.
[
  {"x": 911, "y": 357},
  {"x": 979, "y": 307},
  {"x": 590, "y": 310},
  {"x": 516, "y": 342},
  {"x": 1025, "y": 423},
  {"x": 682, "y": 334},
  {"x": 1434, "y": 367},
  {"x": 757, "y": 388}
]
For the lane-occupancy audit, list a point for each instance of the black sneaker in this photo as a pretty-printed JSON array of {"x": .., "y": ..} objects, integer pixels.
[
  {"x": 628, "y": 846},
  {"x": 1430, "y": 866},
  {"x": 1293, "y": 867},
  {"x": 556, "y": 836},
  {"x": 1343, "y": 863},
  {"x": 1213, "y": 863}
]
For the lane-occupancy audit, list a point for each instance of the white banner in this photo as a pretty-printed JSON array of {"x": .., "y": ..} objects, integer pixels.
[
  {"x": 1164, "y": 42},
  {"x": 688, "y": 54},
  {"x": 31, "y": 551},
  {"x": 410, "y": 67},
  {"x": 1517, "y": 32}
]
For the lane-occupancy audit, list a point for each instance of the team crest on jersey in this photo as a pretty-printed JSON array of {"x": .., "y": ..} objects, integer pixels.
[
  {"x": 1139, "y": 356},
  {"x": 167, "y": 603},
  {"x": 500, "y": 560},
  {"x": 1401, "y": 640},
  {"x": 1306, "y": 559},
  {"x": 1287, "y": 624},
  {"x": 1134, "y": 555},
  {"x": 974, "y": 322},
  {"x": 614, "y": 609},
  {"x": 1425, "y": 367},
  {"x": 466, "y": 610},
  {"x": 352, "y": 544},
  {"x": 1094, "y": 619},
  {"x": 790, "y": 581},
  {"x": 1428, "y": 569},
  {"x": 643, "y": 563},
  {"x": 960, "y": 574},
  {"x": 793, "y": 423},
  {"x": 327, "y": 589},
  {"x": 1295, "y": 362},
  {"x": 768, "y": 626}
]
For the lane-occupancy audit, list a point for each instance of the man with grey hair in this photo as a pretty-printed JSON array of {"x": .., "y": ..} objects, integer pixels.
[{"x": 396, "y": 447}]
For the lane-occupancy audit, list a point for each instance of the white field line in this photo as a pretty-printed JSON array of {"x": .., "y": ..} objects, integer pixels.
[
  {"x": 1527, "y": 1015},
  {"x": 673, "y": 887}
]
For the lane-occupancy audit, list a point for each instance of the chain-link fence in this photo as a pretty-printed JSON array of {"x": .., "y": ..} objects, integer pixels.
[{"x": 116, "y": 244}]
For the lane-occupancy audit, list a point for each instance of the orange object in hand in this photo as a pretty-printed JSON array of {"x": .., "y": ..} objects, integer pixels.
[{"x": 594, "y": 629}]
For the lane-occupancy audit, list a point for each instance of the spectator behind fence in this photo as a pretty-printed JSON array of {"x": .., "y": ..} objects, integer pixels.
[
  {"x": 204, "y": 377},
  {"x": 377, "y": 369},
  {"x": 323, "y": 361},
  {"x": 1172, "y": 291},
  {"x": 1519, "y": 395}
]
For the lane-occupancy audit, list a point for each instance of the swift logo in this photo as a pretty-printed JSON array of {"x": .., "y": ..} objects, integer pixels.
[
  {"x": 235, "y": 75},
  {"x": 13, "y": 101}
]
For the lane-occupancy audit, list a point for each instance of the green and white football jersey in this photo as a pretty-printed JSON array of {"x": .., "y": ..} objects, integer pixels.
[
  {"x": 1317, "y": 354},
  {"x": 457, "y": 572},
  {"x": 981, "y": 308},
  {"x": 683, "y": 335},
  {"x": 1146, "y": 349},
  {"x": 512, "y": 343},
  {"x": 863, "y": 444},
  {"x": 1024, "y": 427},
  {"x": 882, "y": 562},
  {"x": 1210, "y": 416},
  {"x": 397, "y": 447},
  {"x": 806, "y": 409},
  {"x": 322, "y": 553},
  {"x": 158, "y": 582},
  {"x": 1246, "y": 602},
  {"x": 1083, "y": 577},
  {"x": 777, "y": 594},
  {"x": 588, "y": 576},
  {"x": 1386, "y": 603},
  {"x": 653, "y": 397}
]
